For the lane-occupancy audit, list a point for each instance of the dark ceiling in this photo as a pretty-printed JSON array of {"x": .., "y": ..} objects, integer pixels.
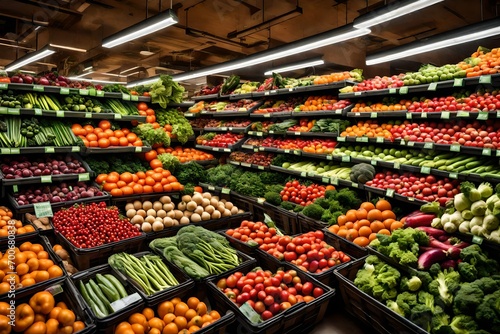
[{"x": 206, "y": 29}]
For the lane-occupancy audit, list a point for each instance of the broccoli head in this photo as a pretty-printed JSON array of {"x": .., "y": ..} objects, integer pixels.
[
  {"x": 313, "y": 211},
  {"x": 421, "y": 315},
  {"x": 463, "y": 324},
  {"x": 406, "y": 301},
  {"x": 475, "y": 256},
  {"x": 440, "y": 321},
  {"x": 468, "y": 297},
  {"x": 467, "y": 271},
  {"x": 426, "y": 299},
  {"x": 395, "y": 307},
  {"x": 444, "y": 285},
  {"x": 487, "y": 284},
  {"x": 388, "y": 276},
  {"x": 435, "y": 269},
  {"x": 488, "y": 312},
  {"x": 425, "y": 277}
]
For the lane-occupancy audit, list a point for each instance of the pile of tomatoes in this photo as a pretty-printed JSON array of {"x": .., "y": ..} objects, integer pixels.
[
  {"x": 301, "y": 194},
  {"x": 103, "y": 136}
]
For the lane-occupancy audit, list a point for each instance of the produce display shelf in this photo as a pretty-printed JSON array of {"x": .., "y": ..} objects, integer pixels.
[
  {"x": 461, "y": 114},
  {"x": 184, "y": 104},
  {"x": 122, "y": 200},
  {"x": 233, "y": 129},
  {"x": 336, "y": 112},
  {"x": 205, "y": 97},
  {"x": 203, "y": 162},
  {"x": 247, "y": 165},
  {"x": 237, "y": 97},
  {"x": 22, "y": 237},
  {"x": 317, "y": 177},
  {"x": 258, "y": 133},
  {"x": 318, "y": 156},
  {"x": 312, "y": 134},
  {"x": 41, "y": 150},
  {"x": 50, "y": 178},
  {"x": 117, "y": 149},
  {"x": 446, "y": 84},
  {"x": 175, "y": 140},
  {"x": 226, "y": 113},
  {"x": 70, "y": 114},
  {"x": 391, "y": 193},
  {"x": 304, "y": 89},
  {"x": 287, "y": 221},
  {"x": 192, "y": 115},
  {"x": 278, "y": 114},
  {"x": 228, "y": 149}
]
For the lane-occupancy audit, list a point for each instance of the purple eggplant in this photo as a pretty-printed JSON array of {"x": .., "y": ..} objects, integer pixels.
[
  {"x": 428, "y": 258},
  {"x": 452, "y": 251},
  {"x": 419, "y": 220},
  {"x": 448, "y": 264}
]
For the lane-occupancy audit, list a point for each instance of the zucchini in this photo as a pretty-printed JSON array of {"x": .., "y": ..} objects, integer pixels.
[
  {"x": 86, "y": 296},
  {"x": 112, "y": 290},
  {"x": 111, "y": 295},
  {"x": 100, "y": 295},
  {"x": 96, "y": 299},
  {"x": 118, "y": 286}
]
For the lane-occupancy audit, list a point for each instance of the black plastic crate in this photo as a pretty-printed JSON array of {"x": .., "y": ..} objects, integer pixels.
[
  {"x": 116, "y": 317},
  {"x": 307, "y": 224},
  {"x": 286, "y": 221},
  {"x": 85, "y": 258},
  {"x": 22, "y": 237},
  {"x": 249, "y": 204},
  {"x": 241, "y": 246},
  {"x": 185, "y": 283},
  {"x": 293, "y": 320},
  {"x": 366, "y": 308},
  {"x": 21, "y": 292}
]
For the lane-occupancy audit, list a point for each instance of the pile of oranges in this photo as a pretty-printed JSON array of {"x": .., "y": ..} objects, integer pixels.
[
  {"x": 369, "y": 129},
  {"x": 33, "y": 265},
  {"x": 333, "y": 77},
  {"x": 184, "y": 154},
  {"x": 155, "y": 180},
  {"x": 364, "y": 107},
  {"x": 489, "y": 63},
  {"x": 362, "y": 225},
  {"x": 6, "y": 221},
  {"x": 102, "y": 136},
  {"x": 172, "y": 317}
]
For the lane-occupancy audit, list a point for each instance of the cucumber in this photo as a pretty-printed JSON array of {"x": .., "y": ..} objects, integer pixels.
[
  {"x": 490, "y": 175},
  {"x": 118, "y": 286},
  {"x": 473, "y": 164},
  {"x": 96, "y": 299},
  {"x": 101, "y": 280},
  {"x": 112, "y": 295},
  {"x": 101, "y": 295},
  {"x": 87, "y": 293},
  {"x": 453, "y": 160}
]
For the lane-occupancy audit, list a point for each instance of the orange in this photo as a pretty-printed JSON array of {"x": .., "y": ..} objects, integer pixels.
[
  {"x": 138, "y": 329},
  {"x": 388, "y": 214},
  {"x": 44, "y": 264},
  {"x": 214, "y": 314},
  {"x": 41, "y": 276},
  {"x": 25, "y": 246},
  {"x": 395, "y": 225},
  {"x": 4, "y": 287},
  {"x": 138, "y": 318},
  {"x": 181, "y": 309},
  {"x": 193, "y": 329},
  {"x": 341, "y": 220},
  {"x": 190, "y": 314},
  {"x": 365, "y": 231},
  {"x": 342, "y": 233},
  {"x": 22, "y": 269},
  {"x": 376, "y": 226},
  {"x": 206, "y": 318},
  {"x": 361, "y": 241},
  {"x": 384, "y": 231},
  {"x": 168, "y": 318},
  {"x": 105, "y": 124},
  {"x": 116, "y": 192},
  {"x": 352, "y": 234},
  {"x": 148, "y": 313},
  {"x": 181, "y": 322},
  {"x": 388, "y": 222},
  {"x": 170, "y": 328},
  {"x": 78, "y": 326},
  {"x": 334, "y": 228},
  {"x": 367, "y": 206},
  {"x": 103, "y": 143},
  {"x": 361, "y": 213},
  {"x": 175, "y": 300},
  {"x": 43, "y": 255},
  {"x": 383, "y": 205},
  {"x": 127, "y": 177},
  {"x": 351, "y": 215},
  {"x": 156, "y": 323},
  {"x": 374, "y": 214},
  {"x": 164, "y": 308},
  {"x": 55, "y": 271},
  {"x": 123, "y": 141}
]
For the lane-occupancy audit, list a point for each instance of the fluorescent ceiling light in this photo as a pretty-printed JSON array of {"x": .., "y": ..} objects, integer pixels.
[
  {"x": 88, "y": 68},
  {"x": 291, "y": 67},
  {"x": 29, "y": 58},
  {"x": 66, "y": 47},
  {"x": 391, "y": 11},
  {"x": 470, "y": 33},
  {"x": 147, "y": 81},
  {"x": 84, "y": 74},
  {"x": 28, "y": 72},
  {"x": 130, "y": 69},
  {"x": 142, "y": 28}
]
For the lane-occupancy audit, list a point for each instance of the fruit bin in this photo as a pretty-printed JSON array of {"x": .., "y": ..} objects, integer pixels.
[
  {"x": 295, "y": 319},
  {"x": 116, "y": 317},
  {"x": 366, "y": 308},
  {"x": 326, "y": 277},
  {"x": 30, "y": 290},
  {"x": 185, "y": 282},
  {"x": 352, "y": 248},
  {"x": 64, "y": 291},
  {"x": 85, "y": 258},
  {"x": 286, "y": 221},
  {"x": 22, "y": 237}
]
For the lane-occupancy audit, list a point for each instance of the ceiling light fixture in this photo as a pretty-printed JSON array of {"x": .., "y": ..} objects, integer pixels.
[
  {"x": 306, "y": 44},
  {"x": 470, "y": 33},
  {"x": 130, "y": 69},
  {"x": 296, "y": 66},
  {"x": 88, "y": 68},
  {"x": 84, "y": 74},
  {"x": 29, "y": 58},
  {"x": 391, "y": 11},
  {"x": 143, "y": 28},
  {"x": 66, "y": 47}
]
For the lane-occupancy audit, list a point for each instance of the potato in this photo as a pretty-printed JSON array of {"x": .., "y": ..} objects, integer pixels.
[
  {"x": 142, "y": 213},
  {"x": 157, "y": 206},
  {"x": 205, "y": 216},
  {"x": 181, "y": 206},
  {"x": 147, "y": 205},
  {"x": 207, "y": 195},
  {"x": 178, "y": 214},
  {"x": 137, "y": 219},
  {"x": 150, "y": 219},
  {"x": 63, "y": 254},
  {"x": 165, "y": 199},
  {"x": 198, "y": 198},
  {"x": 186, "y": 198},
  {"x": 168, "y": 207},
  {"x": 151, "y": 212},
  {"x": 210, "y": 209},
  {"x": 216, "y": 215},
  {"x": 137, "y": 205},
  {"x": 199, "y": 210},
  {"x": 168, "y": 222},
  {"x": 205, "y": 202},
  {"x": 184, "y": 221},
  {"x": 228, "y": 205},
  {"x": 129, "y": 206},
  {"x": 130, "y": 213}
]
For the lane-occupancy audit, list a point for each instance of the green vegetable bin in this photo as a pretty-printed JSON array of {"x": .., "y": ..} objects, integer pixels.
[
  {"x": 107, "y": 324},
  {"x": 185, "y": 283},
  {"x": 367, "y": 309}
]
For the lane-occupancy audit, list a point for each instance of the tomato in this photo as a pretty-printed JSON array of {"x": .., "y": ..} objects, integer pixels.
[
  {"x": 307, "y": 288},
  {"x": 231, "y": 281},
  {"x": 317, "y": 292},
  {"x": 259, "y": 307},
  {"x": 269, "y": 300}
]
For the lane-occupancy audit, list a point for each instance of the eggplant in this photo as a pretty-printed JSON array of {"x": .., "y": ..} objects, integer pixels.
[{"x": 428, "y": 258}]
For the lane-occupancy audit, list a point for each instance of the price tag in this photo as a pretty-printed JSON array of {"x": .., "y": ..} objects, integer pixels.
[
  {"x": 125, "y": 301},
  {"x": 297, "y": 152},
  {"x": 92, "y": 92},
  {"x": 256, "y": 149},
  {"x": 226, "y": 191},
  {"x": 268, "y": 115},
  {"x": 425, "y": 170},
  {"x": 14, "y": 111},
  {"x": 134, "y": 98},
  {"x": 15, "y": 151},
  {"x": 84, "y": 177},
  {"x": 373, "y": 115},
  {"x": 374, "y": 162},
  {"x": 297, "y": 133},
  {"x": 403, "y": 90},
  {"x": 266, "y": 93},
  {"x": 458, "y": 82},
  {"x": 338, "y": 111},
  {"x": 15, "y": 188},
  {"x": 357, "y": 114},
  {"x": 380, "y": 140},
  {"x": 409, "y": 115},
  {"x": 455, "y": 148},
  {"x": 303, "y": 174},
  {"x": 5, "y": 151},
  {"x": 227, "y": 150},
  {"x": 4, "y": 86},
  {"x": 125, "y": 97},
  {"x": 463, "y": 114},
  {"x": 83, "y": 92},
  {"x": 325, "y": 180},
  {"x": 43, "y": 209},
  {"x": 392, "y": 90},
  {"x": 260, "y": 167},
  {"x": 260, "y": 201},
  {"x": 357, "y": 93},
  {"x": 118, "y": 116},
  {"x": 49, "y": 149},
  {"x": 432, "y": 86},
  {"x": 397, "y": 165},
  {"x": 453, "y": 176},
  {"x": 410, "y": 143},
  {"x": 411, "y": 199},
  {"x": 287, "y": 151},
  {"x": 274, "y": 91},
  {"x": 259, "y": 133},
  {"x": 59, "y": 113},
  {"x": 100, "y": 93},
  {"x": 38, "y": 112},
  {"x": 290, "y": 89},
  {"x": 329, "y": 157},
  {"x": 429, "y": 145},
  {"x": 362, "y": 139},
  {"x": 138, "y": 149},
  {"x": 216, "y": 149},
  {"x": 498, "y": 153},
  {"x": 55, "y": 289},
  {"x": 445, "y": 115},
  {"x": 477, "y": 240},
  {"x": 341, "y": 139},
  {"x": 262, "y": 148},
  {"x": 244, "y": 164},
  {"x": 483, "y": 116},
  {"x": 498, "y": 114},
  {"x": 75, "y": 149},
  {"x": 46, "y": 178},
  {"x": 38, "y": 88},
  {"x": 334, "y": 181},
  {"x": 88, "y": 115},
  {"x": 212, "y": 188},
  {"x": 486, "y": 151},
  {"x": 485, "y": 79},
  {"x": 346, "y": 158},
  {"x": 3, "y": 110},
  {"x": 389, "y": 193},
  {"x": 64, "y": 91},
  {"x": 423, "y": 115}
]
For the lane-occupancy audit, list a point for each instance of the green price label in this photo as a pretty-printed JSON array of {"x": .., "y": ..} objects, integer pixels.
[
  {"x": 100, "y": 93},
  {"x": 138, "y": 149},
  {"x": 354, "y": 185},
  {"x": 334, "y": 181},
  {"x": 397, "y": 165},
  {"x": 244, "y": 164},
  {"x": 455, "y": 148},
  {"x": 5, "y": 150},
  {"x": 92, "y": 92},
  {"x": 329, "y": 157},
  {"x": 411, "y": 199},
  {"x": 486, "y": 151},
  {"x": 49, "y": 149},
  {"x": 362, "y": 139},
  {"x": 325, "y": 180},
  {"x": 126, "y": 97},
  {"x": 423, "y": 115},
  {"x": 260, "y": 201},
  {"x": 409, "y": 115},
  {"x": 341, "y": 139},
  {"x": 297, "y": 133},
  {"x": 268, "y": 116},
  {"x": 3, "y": 110},
  {"x": 118, "y": 116},
  {"x": 392, "y": 90},
  {"x": 389, "y": 193},
  {"x": 262, "y": 148},
  {"x": 458, "y": 82},
  {"x": 15, "y": 151},
  {"x": 432, "y": 86},
  {"x": 84, "y": 177},
  {"x": 287, "y": 151},
  {"x": 15, "y": 188},
  {"x": 445, "y": 115},
  {"x": 485, "y": 79},
  {"x": 463, "y": 114},
  {"x": 256, "y": 149},
  {"x": 357, "y": 93},
  {"x": 425, "y": 170},
  {"x": 46, "y": 178},
  {"x": 374, "y": 162},
  {"x": 403, "y": 90},
  {"x": 477, "y": 240},
  {"x": 43, "y": 209},
  {"x": 357, "y": 114},
  {"x": 498, "y": 153},
  {"x": 258, "y": 133},
  {"x": 59, "y": 113},
  {"x": 64, "y": 91},
  {"x": 429, "y": 146},
  {"x": 346, "y": 158},
  {"x": 483, "y": 116},
  {"x": 4, "y": 86},
  {"x": 380, "y": 140},
  {"x": 453, "y": 176},
  {"x": 260, "y": 167},
  {"x": 14, "y": 111},
  {"x": 212, "y": 188},
  {"x": 134, "y": 98},
  {"x": 83, "y": 92},
  {"x": 410, "y": 143},
  {"x": 88, "y": 115},
  {"x": 38, "y": 88},
  {"x": 75, "y": 149},
  {"x": 297, "y": 152},
  {"x": 38, "y": 112},
  {"x": 188, "y": 114},
  {"x": 303, "y": 174},
  {"x": 226, "y": 191},
  {"x": 266, "y": 93},
  {"x": 498, "y": 114},
  {"x": 373, "y": 115}
]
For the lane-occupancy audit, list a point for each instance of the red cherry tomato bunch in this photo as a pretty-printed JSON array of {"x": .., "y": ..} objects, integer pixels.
[{"x": 301, "y": 194}]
